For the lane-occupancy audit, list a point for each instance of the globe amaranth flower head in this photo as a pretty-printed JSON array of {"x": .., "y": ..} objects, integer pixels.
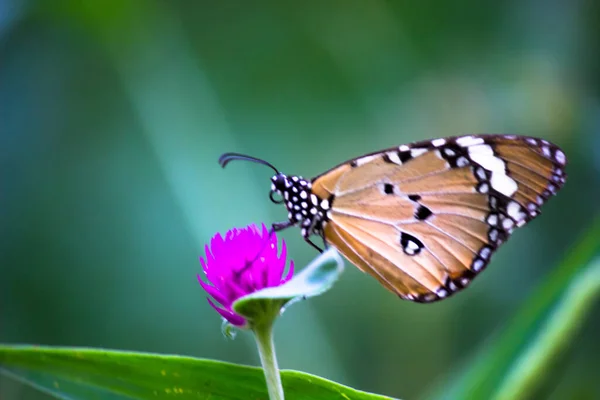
[{"x": 244, "y": 261}]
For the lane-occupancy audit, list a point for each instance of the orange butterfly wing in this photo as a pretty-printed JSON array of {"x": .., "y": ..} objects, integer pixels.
[{"x": 425, "y": 218}]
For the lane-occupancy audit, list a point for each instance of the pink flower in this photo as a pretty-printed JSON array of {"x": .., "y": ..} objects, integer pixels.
[{"x": 243, "y": 262}]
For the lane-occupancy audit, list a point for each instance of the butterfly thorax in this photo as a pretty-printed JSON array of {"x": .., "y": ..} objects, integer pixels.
[{"x": 304, "y": 207}]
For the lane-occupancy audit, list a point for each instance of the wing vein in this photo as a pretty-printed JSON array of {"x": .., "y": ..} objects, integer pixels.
[
  {"x": 348, "y": 245},
  {"x": 407, "y": 272},
  {"x": 451, "y": 237},
  {"x": 387, "y": 178}
]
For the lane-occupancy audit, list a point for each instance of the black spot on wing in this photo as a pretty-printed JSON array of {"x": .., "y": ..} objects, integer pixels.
[
  {"x": 422, "y": 213},
  {"x": 404, "y": 156},
  {"x": 410, "y": 244}
]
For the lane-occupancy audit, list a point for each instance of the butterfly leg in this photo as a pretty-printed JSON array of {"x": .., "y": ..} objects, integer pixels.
[
  {"x": 279, "y": 226},
  {"x": 307, "y": 239}
]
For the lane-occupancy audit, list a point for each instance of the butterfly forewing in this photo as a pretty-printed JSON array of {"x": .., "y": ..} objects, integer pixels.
[{"x": 425, "y": 218}]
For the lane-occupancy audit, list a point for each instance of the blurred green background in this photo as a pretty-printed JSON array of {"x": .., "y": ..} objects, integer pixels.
[{"x": 113, "y": 114}]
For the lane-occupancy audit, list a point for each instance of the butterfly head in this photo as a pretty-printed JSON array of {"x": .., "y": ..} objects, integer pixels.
[
  {"x": 303, "y": 206},
  {"x": 279, "y": 185}
]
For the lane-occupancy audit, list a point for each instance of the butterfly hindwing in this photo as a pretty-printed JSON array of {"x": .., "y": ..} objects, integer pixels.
[{"x": 425, "y": 218}]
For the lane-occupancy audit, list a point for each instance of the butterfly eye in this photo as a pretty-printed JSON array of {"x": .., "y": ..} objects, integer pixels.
[
  {"x": 279, "y": 183},
  {"x": 278, "y": 186}
]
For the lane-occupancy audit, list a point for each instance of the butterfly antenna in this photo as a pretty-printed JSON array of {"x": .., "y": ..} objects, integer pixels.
[{"x": 227, "y": 157}]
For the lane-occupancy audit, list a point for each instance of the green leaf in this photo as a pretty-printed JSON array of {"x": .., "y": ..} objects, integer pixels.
[
  {"x": 318, "y": 277},
  {"x": 516, "y": 363},
  {"x": 80, "y": 373}
]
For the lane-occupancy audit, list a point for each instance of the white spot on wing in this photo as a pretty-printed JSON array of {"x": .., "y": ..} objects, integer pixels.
[
  {"x": 493, "y": 235},
  {"x": 413, "y": 245},
  {"x": 480, "y": 172},
  {"x": 560, "y": 157},
  {"x": 438, "y": 142},
  {"x": 462, "y": 162},
  {"x": 503, "y": 183},
  {"x": 417, "y": 152},
  {"x": 507, "y": 223},
  {"x": 403, "y": 148},
  {"x": 513, "y": 209},
  {"x": 478, "y": 265},
  {"x": 449, "y": 152},
  {"x": 546, "y": 151},
  {"x": 482, "y": 149},
  {"x": 540, "y": 200},
  {"x": 393, "y": 156},
  {"x": 485, "y": 253},
  {"x": 364, "y": 160},
  {"x": 469, "y": 141},
  {"x": 489, "y": 162},
  {"x": 493, "y": 203}
]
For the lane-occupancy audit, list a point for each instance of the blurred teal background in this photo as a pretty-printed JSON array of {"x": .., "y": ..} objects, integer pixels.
[{"x": 113, "y": 114}]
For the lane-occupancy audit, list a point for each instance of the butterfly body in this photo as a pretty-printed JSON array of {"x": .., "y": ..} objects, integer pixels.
[
  {"x": 425, "y": 218},
  {"x": 303, "y": 205}
]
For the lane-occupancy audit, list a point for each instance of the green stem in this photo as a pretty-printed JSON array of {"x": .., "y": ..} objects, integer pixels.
[
  {"x": 266, "y": 350},
  {"x": 554, "y": 336}
]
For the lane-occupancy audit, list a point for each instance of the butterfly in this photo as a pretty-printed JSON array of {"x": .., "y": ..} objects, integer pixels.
[{"x": 423, "y": 218}]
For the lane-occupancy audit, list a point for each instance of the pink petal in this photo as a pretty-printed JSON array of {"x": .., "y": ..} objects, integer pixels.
[
  {"x": 265, "y": 231},
  {"x": 204, "y": 264},
  {"x": 240, "y": 262},
  {"x": 290, "y": 272},
  {"x": 277, "y": 265},
  {"x": 214, "y": 292},
  {"x": 210, "y": 261},
  {"x": 230, "y": 288},
  {"x": 228, "y": 315}
]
